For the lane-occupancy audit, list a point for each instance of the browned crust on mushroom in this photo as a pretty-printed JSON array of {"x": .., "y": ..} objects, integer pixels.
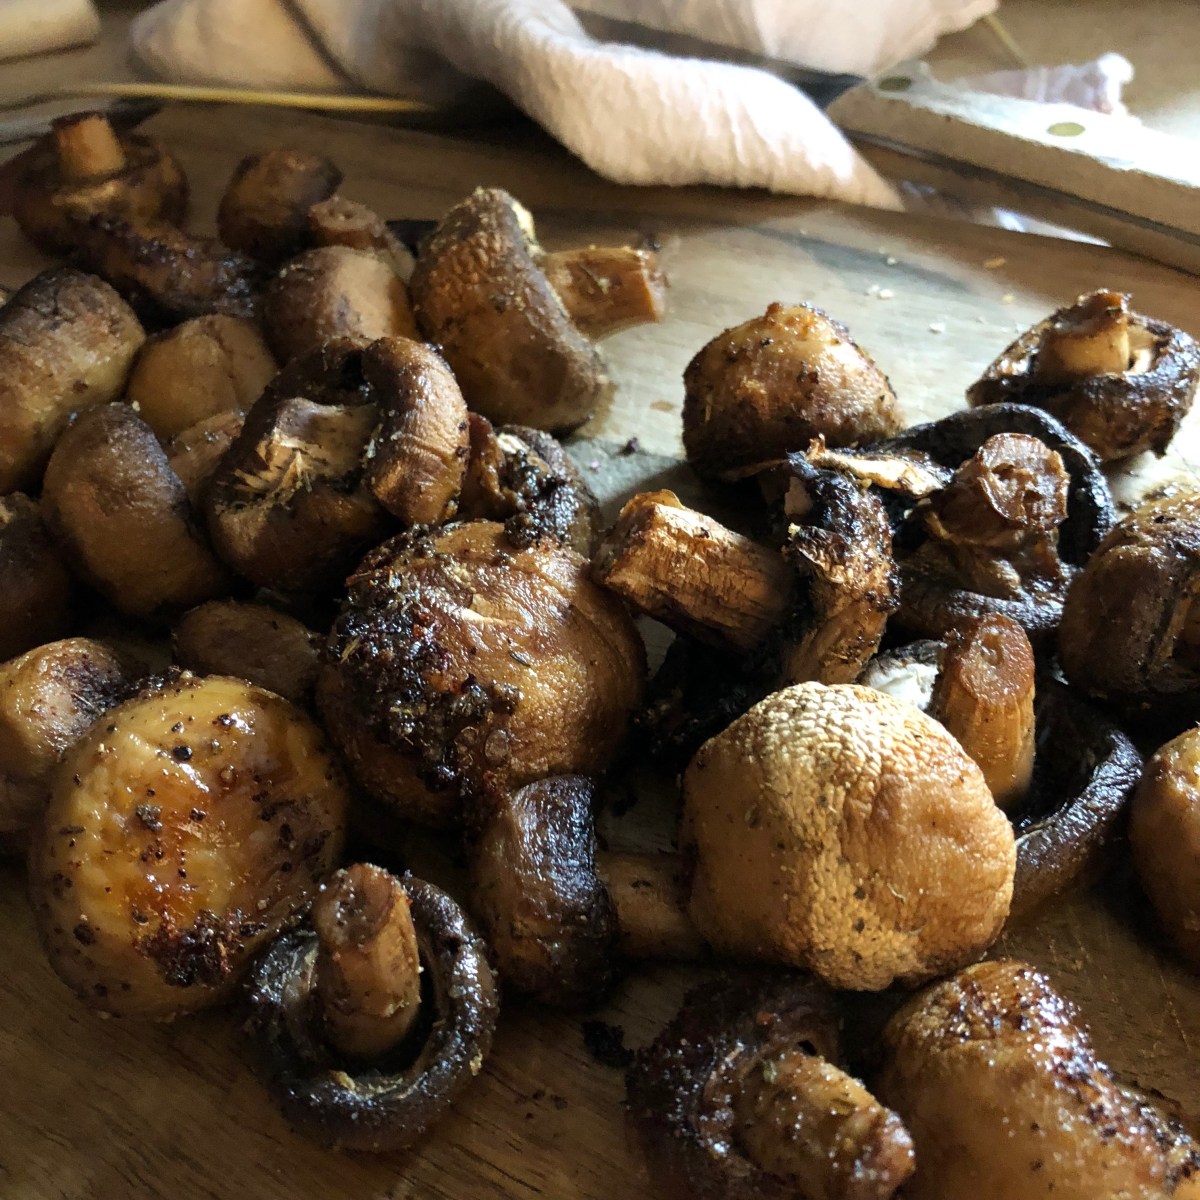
[{"x": 35, "y": 589}]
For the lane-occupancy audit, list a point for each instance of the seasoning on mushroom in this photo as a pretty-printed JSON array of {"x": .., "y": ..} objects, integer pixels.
[
  {"x": 997, "y": 1080},
  {"x": 769, "y": 386},
  {"x": 739, "y": 1097},
  {"x": 515, "y": 323},
  {"x": 83, "y": 166},
  {"x": 459, "y": 655},
  {"x": 35, "y": 588},
  {"x": 183, "y": 832},
  {"x": 373, "y": 1024},
  {"x": 67, "y": 343},
  {"x": 1119, "y": 381}
]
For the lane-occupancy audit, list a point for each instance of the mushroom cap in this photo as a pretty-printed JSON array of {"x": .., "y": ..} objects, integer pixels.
[
  {"x": 35, "y": 588},
  {"x": 479, "y": 294},
  {"x": 772, "y": 384},
  {"x": 391, "y": 1104},
  {"x": 459, "y": 654},
  {"x": 838, "y": 829}
]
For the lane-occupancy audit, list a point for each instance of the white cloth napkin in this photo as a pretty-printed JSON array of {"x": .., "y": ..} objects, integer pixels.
[{"x": 38, "y": 26}]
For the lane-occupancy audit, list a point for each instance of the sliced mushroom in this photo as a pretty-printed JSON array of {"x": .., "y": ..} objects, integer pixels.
[
  {"x": 252, "y": 642},
  {"x": 1119, "y": 381},
  {"x": 837, "y": 829},
  {"x": 481, "y": 292},
  {"x": 35, "y": 589},
  {"x": 264, "y": 210},
  {"x": 123, "y": 516},
  {"x": 459, "y": 655},
  {"x": 183, "y": 833},
  {"x": 324, "y": 1088},
  {"x": 739, "y": 1098},
  {"x": 84, "y": 166},
  {"x": 334, "y": 292},
  {"x": 769, "y": 386},
  {"x": 67, "y": 343},
  {"x": 997, "y": 1080},
  {"x": 202, "y": 368},
  {"x": 49, "y": 697}
]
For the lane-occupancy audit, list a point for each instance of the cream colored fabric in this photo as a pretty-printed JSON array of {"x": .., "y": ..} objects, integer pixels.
[{"x": 38, "y": 26}]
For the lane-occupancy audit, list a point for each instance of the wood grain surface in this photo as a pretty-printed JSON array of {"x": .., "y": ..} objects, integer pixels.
[{"x": 102, "y": 1110}]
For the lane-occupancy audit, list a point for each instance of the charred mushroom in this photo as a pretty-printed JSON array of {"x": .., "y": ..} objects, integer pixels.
[
  {"x": 335, "y": 292},
  {"x": 35, "y": 589},
  {"x": 739, "y": 1098},
  {"x": 252, "y": 642},
  {"x": 1164, "y": 832},
  {"x": 996, "y": 1078},
  {"x": 773, "y": 384},
  {"x": 124, "y": 518},
  {"x": 374, "y": 1024},
  {"x": 459, "y": 656},
  {"x": 485, "y": 292},
  {"x": 83, "y": 166},
  {"x": 842, "y": 831},
  {"x": 202, "y": 368},
  {"x": 183, "y": 833},
  {"x": 1119, "y": 381},
  {"x": 49, "y": 697},
  {"x": 67, "y": 342},
  {"x": 264, "y": 211}
]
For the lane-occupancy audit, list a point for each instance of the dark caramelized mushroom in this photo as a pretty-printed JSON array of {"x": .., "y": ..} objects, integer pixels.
[
  {"x": 481, "y": 292},
  {"x": 327, "y": 1092},
  {"x": 83, "y": 166},
  {"x": 771, "y": 385},
  {"x": 67, "y": 343},
  {"x": 35, "y": 589},
  {"x": 1119, "y": 381},
  {"x": 738, "y": 1098},
  {"x": 459, "y": 656},
  {"x": 264, "y": 210}
]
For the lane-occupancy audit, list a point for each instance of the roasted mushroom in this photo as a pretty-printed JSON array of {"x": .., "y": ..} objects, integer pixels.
[
  {"x": 49, "y": 697},
  {"x": 559, "y": 913},
  {"x": 67, "y": 342},
  {"x": 35, "y": 589},
  {"x": 183, "y": 832},
  {"x": 738, "y": 1098},
  {"x": 374, "y": 1024},
  {"x": 837, "y": 829},
  {"x": 335, "y": 292},
  {"x": 773, "y": 384},
  {"x": 996, "y": 1078},
  {"x": 202, "y": 368},
  {"x": 1164, "y": 833},
  {"x": 460, "y": 656},
  {"x": 124, "y": 518},
  {"x": 341, "y": 222},
  {"x": 83, "y": 166},
  {"x": 195, "y": 452},
  {"x": 487, "y": 294},
  {"x": 264, "y": 210},
  {"x": 1119, "y": 381},
  {"x": 252, "y": 642},
  {"x": 1129, "y": 633}
]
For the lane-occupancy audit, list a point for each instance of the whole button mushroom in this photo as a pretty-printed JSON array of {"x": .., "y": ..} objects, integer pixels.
[
  {"x": 773, "y": 384},
  {"x": 837, "y": 829},
  {"x": 67, "y": 343},
  {"x": 515, "y": 322},
  {"x": 184, "y": 831}
]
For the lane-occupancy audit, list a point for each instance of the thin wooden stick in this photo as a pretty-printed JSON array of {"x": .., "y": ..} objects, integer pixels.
[{"x": 1006, "y": 39}]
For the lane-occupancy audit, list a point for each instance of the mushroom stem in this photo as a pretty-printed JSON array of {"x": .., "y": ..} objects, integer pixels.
[
  {"x": 1092, "y": 338},
  {"x": 341, "y": 222},
  {"x": 368, "y": 962},
  {"x": 807, "y": 1121},
  {"x": 607, "y": 288},
  {"x": 984, "y": 696},
  {"x": 648, "y": 893},
  {"x": 691, "y": 573},
  {"x": 87, "y": 146}
]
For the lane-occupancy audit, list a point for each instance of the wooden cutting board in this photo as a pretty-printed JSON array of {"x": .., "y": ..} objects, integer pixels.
[{"x": 108, "y": 1110}]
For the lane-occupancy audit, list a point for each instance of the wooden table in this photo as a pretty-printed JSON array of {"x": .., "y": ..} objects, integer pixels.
[{"x": 101, "y": 1110}]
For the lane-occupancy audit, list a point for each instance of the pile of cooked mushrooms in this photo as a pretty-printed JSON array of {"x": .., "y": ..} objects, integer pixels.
[{"x": 290, "y": 548}]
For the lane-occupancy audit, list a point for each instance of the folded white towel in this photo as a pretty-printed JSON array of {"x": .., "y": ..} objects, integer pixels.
[{"x": 39, "y": 26}]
